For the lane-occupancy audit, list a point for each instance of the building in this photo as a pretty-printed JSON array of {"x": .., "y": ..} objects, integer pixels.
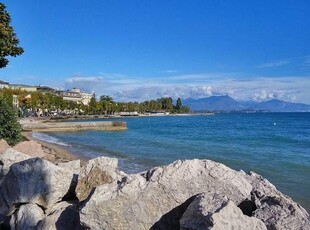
[
  {"x": 3, "y": 84},
  {"x": 45, "y": 89},
  {"x": 70, "y": 96},
  {"x": 75, "y": 95},
  {"x": 86, "y": 98},
  {"x": 28, "y": 88}
]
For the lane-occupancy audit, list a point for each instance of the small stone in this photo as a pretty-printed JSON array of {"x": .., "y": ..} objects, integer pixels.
[{"x": 3, "y": 146}]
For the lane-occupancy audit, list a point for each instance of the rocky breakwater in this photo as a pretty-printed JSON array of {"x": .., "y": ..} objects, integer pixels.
[{"x": 187, "y": 195}]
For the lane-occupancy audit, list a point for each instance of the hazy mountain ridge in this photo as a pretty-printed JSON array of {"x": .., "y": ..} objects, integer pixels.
[{"x": 226, "y": 103}]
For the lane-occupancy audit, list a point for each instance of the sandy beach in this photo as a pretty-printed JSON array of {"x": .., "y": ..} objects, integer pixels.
[{"x": 57, "y": 153}]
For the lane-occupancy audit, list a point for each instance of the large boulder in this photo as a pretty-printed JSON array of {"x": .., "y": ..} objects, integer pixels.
[
  {"x": 9, "y": 157},
  {"x": 33, "y": 181},
  {"x": 231, "y": 217},
  {"x": 200, "y": 210},
  {"x": 31, "y": 148},
  {"x": 62, "y": 216},
  {"x": 26, "y": 217},
  {"x": 96, "y": 172},
  {"x": 5, "y": 222},
  {"x": 215, "y": 211},
  {"x": 276, "y": 210},
  {"x": 75, "y": 168},
  {"x": 139, "y": 201},
  {"x": 3, "y": 145}
]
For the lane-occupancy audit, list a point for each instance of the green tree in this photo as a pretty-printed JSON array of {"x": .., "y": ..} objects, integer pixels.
[
  {"x": 9, "y": 127},
  {"x": 166, "y": 104},
  {"x": 92, "y": 104},
  {"x": 178, "y": 105},
  {"x": 8, "y": 40}
]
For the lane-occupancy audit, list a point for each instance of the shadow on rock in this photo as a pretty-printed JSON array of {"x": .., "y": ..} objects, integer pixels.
[{"x": 171, "y": 219}]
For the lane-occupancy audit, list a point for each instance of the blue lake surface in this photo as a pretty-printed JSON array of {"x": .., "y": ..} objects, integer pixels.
[{"x": 275, "y": 145}]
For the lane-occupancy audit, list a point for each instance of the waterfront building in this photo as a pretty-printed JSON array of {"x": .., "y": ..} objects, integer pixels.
[
  {"x": 70, "y": 96},
  {"x": 28, "y": 88},
  {"x": 3, "y": 84},
  {"x": 86, "y": 98},
  {"x": 76, "y": 95}
]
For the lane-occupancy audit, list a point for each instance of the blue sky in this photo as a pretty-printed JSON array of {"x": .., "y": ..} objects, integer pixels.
[{"x": 137, "y": 50}]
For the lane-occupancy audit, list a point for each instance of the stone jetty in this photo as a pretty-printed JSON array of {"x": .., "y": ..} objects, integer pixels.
[
  {"x": 50, "y": 126},
  {"x": 186, "y": 195}
]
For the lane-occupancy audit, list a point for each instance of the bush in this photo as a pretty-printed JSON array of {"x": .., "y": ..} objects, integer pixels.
[{"x": 10, "y": 129}]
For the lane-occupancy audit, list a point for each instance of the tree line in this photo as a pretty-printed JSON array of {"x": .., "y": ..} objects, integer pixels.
[
  {"x": 106, "y": 105},
  {"x": 50, "y": 103}
]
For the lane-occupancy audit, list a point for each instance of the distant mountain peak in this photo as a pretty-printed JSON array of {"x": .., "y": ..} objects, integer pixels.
[{"x": 227, "y": 103}]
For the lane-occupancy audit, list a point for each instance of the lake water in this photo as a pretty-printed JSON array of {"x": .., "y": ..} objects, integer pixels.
[{"x": 275, "y": 145}]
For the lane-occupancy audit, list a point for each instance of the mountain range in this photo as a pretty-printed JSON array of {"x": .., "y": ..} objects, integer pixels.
[{"x": 226, "y": 103}]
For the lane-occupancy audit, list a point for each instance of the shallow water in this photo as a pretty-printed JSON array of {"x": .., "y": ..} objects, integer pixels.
[{"x": 275, "y": 145}]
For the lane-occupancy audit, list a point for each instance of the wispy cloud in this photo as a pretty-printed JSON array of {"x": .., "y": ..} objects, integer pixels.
[
  {"x": 300, "y": 61},
  {"x": 84, "y": 79},
  {"x": 170, "y": 71},
  {"x": 274, "y": 64},
  {"x": 307, "y": 61}
]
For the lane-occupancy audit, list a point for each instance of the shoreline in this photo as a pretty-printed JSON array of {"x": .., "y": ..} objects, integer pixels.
[{"x": 61, "y": 153}]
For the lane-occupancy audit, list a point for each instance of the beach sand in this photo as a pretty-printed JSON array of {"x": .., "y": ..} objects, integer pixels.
[{"x": 56, "y": 153}]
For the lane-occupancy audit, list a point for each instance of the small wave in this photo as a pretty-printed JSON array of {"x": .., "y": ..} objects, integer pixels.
[{"x": 49, "y": 139}]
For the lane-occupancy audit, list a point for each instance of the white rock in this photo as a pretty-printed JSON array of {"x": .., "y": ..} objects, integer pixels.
[
  {"x": 276, "y": 210},
  {"x": 138, "y": 202},
  {"x": 26, "y": 217},
  {"x": 62, "y": 216},
  {"x": 9, "y": 157},
  {"x": 31, "y": 148},
  {"x": 74, "y": 166},
  {"x": 198, "y": 213},
  {"x": 96, "y": 172},
  {"x": 3, "y": 146},
  {"x": 231, "y": 217},
  {"x": 33, "y": 181}
]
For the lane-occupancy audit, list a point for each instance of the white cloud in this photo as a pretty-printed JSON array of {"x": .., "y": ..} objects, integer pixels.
[
  {"x": 127, "y": 88},
  {"x": 89, "y": 84},
  {"x": 299, "y": 61},
  {"x": 264, "y": 95}
]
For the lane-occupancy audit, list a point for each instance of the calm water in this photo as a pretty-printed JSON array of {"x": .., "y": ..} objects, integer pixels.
[{"x": 275, "y": 145}]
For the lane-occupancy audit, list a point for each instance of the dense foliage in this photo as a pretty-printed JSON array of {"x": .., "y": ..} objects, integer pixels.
[
  {"x": 9, "y": 127},
  {"x": 8, "y": 40},
  {"x": 104, "y": 106}
]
